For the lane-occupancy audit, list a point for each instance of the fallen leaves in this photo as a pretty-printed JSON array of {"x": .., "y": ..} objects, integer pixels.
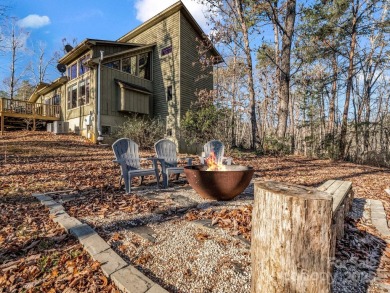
[
  {"x": 36, "y": 255},
  {"x": 237, "y": 221},
  {"x": 101, "y": 204}
]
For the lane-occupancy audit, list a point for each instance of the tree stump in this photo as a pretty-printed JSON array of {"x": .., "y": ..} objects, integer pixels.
[{"x": 291, "y": 239}]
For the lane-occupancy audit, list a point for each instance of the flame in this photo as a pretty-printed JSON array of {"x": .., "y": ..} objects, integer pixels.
[{"x": 212, "y": 164}]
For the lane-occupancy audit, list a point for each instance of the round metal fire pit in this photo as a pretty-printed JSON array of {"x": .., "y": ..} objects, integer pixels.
[{"x": 219, "y": 185}]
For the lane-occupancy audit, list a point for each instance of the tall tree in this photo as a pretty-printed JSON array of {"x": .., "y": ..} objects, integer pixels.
[
  {"x": 353, "y": 21},
  {"x": 232, "y": 23},
  {"x": 282, "y": 15},
  {"x": 41, "y": 64},
  {"x": 15, "y": 44}
]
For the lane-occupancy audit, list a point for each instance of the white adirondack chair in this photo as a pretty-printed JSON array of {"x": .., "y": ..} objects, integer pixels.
[
  {"x": 127, "y": 156},
  {"x": 166, "y": 154},
  {"x": 218, "y": 148}
]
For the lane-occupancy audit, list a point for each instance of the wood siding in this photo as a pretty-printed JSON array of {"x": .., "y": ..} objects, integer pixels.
[
  {"x": 193, "y": 78},
  {"x": 111, "y": 95},
  {"x": 166, "y": 69}
]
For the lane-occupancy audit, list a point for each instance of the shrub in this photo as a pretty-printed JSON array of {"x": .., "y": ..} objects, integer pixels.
[
  {"x": 276, "y": 146},
  {"x": 144, "y": 131},
  {"x": 203, "y": 123}
]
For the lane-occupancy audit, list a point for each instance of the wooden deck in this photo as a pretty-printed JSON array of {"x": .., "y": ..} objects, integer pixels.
[{"x": 27, "y": 110}]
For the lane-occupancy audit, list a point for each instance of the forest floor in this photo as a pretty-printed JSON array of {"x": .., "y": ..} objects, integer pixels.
[{"x": 36, "y": 255}]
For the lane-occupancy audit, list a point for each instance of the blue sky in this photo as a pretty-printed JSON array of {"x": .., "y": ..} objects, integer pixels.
[{"x": 51, "y": 21}]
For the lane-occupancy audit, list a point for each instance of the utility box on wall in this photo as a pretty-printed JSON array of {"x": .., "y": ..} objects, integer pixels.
[
  {"x": 49, "y": 127},
  {"x": 88, "y": 120},
  {"x": 60, "y": 127}
]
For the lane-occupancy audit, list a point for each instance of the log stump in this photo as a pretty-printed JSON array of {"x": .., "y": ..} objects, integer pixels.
[{"x": 291, "y": 239}]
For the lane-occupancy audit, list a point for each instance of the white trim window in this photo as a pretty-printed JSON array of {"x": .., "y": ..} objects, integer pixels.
[{"x": 78, "y": 94}]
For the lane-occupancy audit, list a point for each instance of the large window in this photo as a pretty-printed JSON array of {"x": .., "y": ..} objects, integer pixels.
[
  {"x": 78, "y": 94},
  {"x": 139, "y": 65},
  {"x": 78, "y": 68},
  {"x": 113, "y": 64},
  {"x": 72, "y": 71},
  {"x": 82, "y": 68},
  {"x": 129, "y": 65},
  {"x": 56, "y": 99},
  {"x": 87, "y": 91},
  {"x": 144, "y": 66},
  {"x": 73, "y": 96},
  {"x": 81, "y": 99}
]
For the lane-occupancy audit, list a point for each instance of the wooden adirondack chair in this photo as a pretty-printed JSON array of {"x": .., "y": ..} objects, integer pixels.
[
  {"x": 218, "y": 148},
  {"x": 126, "y": 154},
  {"x": 166, "y": 154}
]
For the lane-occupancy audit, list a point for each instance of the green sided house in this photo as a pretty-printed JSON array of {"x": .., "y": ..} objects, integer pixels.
[{"x": 153, "y": 70}]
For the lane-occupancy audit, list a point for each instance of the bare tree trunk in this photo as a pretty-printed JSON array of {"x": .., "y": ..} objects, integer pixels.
[
  {"x": 249, "y": 69},
  {"x": 234, "y": 93},
  {"x": 285, "y": 67},
  {"x": 13, "y": 64},
  {"x": 276, "y": 51},
  {"x": 292, "y": 125},
  {"x": 344, "y": 123},
  {"x": 332, "y": 102}
]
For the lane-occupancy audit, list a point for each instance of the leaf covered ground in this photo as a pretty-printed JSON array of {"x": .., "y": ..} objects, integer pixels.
[{"x": 36, "y": 255}]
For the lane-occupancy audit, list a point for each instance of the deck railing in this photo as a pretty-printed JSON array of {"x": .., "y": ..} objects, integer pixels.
[{"x": 17, "y": 107}]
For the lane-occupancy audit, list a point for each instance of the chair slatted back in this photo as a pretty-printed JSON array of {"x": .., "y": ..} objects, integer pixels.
[
  {"x": 166, "y": 149},
  {"x": 127, "y": 150},
  {"x": 215, "y": 146}
]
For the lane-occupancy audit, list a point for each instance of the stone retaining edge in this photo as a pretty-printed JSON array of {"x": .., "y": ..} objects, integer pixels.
[
  {"x": 378, "y": 217},
  {"x": 126, "y": 277}
]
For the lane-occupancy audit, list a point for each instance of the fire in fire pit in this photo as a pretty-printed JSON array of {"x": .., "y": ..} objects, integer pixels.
[{"x": 220, "y": 182}]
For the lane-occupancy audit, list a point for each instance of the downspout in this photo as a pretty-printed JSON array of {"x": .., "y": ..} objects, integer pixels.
[{"x": 99, "y": 126}]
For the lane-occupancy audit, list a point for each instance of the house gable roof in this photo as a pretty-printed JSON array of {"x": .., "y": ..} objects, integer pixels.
[
  {"x": 87, "y": 44},
  {"x": 44, "y": 88},
  {"x": 178, "y": 6}
]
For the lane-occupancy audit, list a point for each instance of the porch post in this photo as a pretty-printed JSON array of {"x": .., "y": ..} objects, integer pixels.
[
  {"x": 2, "y": 123},
  {"x": 33, "y": 112},
  {"x": 1, "y": 117}
]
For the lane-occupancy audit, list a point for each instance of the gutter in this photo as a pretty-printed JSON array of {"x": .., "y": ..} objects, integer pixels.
[{"x": 99, "y": 123}]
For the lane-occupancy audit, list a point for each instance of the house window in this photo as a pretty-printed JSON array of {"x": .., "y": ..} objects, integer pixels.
[
  {"x": 166, "y": 50},
  {"x": 69, "y": 104},
  {"x": 144, "y": 69},
  {"x": 87, "y": 87},
  {"x": 78, "y": 94},
  {"x": 82, "y": 68},
  {"x": 72, "y": 71},
  {"x": 56, "y": 100},
  {"x": 113, "y": 64},
  {"x": 169, "y": 93},
  {"x": 82, "y": 91},
  {"x": 129, "y": 65},
  {"x": 72, "y": 96}
]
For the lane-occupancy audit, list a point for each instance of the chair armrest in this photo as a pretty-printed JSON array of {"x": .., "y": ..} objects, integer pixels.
[
  {"x": 162, "y": 163},
  {"x": 188, "y": 160},
  {"x": 154, "y": 161},
  {"x": 122, "y": 164},
  {"x": 229, "y": 160}
]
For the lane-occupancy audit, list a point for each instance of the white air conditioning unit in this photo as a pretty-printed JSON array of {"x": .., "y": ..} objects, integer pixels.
[
  {"x": 49, "y": 127},
  {"x": 60, "y": 127}
]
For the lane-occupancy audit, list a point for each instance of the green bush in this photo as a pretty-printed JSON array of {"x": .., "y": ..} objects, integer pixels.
[
  {"x": 144, "y": 131},
  {"x": 203, "y": 123},
  {"x": 276, "y": 146}
]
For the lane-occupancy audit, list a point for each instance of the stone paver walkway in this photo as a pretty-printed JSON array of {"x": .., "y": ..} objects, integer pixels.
[{"x": 126, "y": 277}]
